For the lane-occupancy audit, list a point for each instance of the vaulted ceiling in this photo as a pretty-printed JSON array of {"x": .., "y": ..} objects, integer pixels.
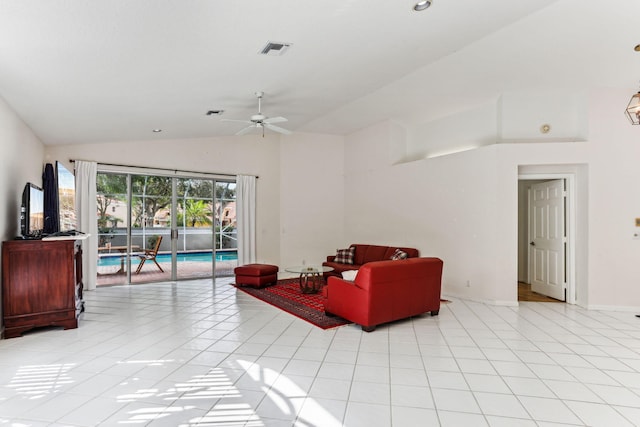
[{"x": 80, "y": 71}]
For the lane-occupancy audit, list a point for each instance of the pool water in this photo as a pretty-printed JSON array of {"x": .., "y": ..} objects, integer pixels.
[{"x": 114, "y": 259}]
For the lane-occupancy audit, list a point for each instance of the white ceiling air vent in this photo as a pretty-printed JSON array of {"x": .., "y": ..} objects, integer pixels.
[{"x": 275, "y": 48}]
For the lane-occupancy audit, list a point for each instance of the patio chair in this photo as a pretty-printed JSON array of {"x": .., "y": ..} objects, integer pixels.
[{"x": 150, "y": 255}]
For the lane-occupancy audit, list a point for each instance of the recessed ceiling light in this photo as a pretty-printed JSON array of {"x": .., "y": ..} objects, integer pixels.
[
  {"x": 422, "y": 5},
  {"x": 157, "y": 130}
]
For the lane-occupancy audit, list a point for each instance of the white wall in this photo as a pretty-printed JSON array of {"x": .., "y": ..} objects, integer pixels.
[
  {"x": 614, "y": 203},
  {"x": 474, "y": 127},
  {"x": 445, "y": 206},
  {"x": 312, "y": 198},
  {"x": 21, "y": 162},
  {"x": 299, "y": 190},
  {"x": 463, "y": 207},
  {"x": 523, "y": 113}
]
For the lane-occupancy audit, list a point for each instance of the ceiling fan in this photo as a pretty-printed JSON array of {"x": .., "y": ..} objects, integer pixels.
[{"x": 260, "y": 121}]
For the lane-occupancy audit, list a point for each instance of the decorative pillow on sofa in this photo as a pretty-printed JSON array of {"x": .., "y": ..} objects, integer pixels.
[
  {"x": 345, "y": 256},
  {"x": 398, "y": 254},
  {"x": 349, "y": 275}
]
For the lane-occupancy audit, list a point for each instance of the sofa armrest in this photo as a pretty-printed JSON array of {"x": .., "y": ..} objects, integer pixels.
[
  {"x": 345, "y": 299},
  {"x": 340, "y": 292},
  {"x": 340, "y": 283},
  {"x": 330, "y": 258}
]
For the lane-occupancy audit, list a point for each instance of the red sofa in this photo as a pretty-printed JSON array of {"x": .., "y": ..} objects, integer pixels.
[
  {"x": 364, "y": 254},
  {"x": 384, "y": 291}
]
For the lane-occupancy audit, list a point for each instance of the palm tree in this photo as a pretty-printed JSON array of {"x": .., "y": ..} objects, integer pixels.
[{"x": 197, "y": 213}]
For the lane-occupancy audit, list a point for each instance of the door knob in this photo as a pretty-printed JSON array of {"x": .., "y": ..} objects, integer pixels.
[{"x": 532, "y": 243}]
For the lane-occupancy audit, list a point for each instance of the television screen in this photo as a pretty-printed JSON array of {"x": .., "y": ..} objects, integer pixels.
[
  {"x": 32, "y": 215},
  {"x": 66, "y": 197}
]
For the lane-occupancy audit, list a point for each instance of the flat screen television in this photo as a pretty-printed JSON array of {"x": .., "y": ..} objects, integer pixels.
[
  {"x": 32, "y": 211},
  {"x": 66, "y": 197}
]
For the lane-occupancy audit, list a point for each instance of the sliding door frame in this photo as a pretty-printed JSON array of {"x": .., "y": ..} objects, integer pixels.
[{"x": 129, "y": 172}]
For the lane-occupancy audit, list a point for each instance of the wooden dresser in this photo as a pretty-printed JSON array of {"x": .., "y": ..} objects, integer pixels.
[{"x": 41, "y": 284}]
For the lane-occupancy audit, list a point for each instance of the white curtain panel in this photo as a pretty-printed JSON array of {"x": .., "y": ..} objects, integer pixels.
[
  {"x": 246, "y": 218},
  {"x": 87, "y": 221}
]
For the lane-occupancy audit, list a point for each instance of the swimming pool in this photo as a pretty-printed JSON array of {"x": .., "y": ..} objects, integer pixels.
[{"x": 114, "y": 259}]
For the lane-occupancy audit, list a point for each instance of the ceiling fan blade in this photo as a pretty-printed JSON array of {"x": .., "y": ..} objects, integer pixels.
[
  {"x": 245, "y": 130},
  {"x": 274, "y": 120},
  {"x": 260, "y": 121},
  {"x": 277, "y": 129}
]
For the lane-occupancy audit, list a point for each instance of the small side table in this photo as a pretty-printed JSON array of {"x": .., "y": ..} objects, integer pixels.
[{"x": 311, "y": 277}]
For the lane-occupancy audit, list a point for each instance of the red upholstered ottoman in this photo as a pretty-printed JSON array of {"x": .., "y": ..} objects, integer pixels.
[{"x": 256, "y": 275}]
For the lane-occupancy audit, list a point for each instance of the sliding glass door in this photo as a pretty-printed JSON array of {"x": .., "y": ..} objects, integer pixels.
[
  {"x": 162, "y": 228},
  {"x": 113, "y": 223},
  {"x": 226, "y": 231},
  {"x": 151, "y": 202},
  {"x": 194, "y": 228}
]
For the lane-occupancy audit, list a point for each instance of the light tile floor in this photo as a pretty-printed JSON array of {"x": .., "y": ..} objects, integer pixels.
[{"x": 198, "y": 354}]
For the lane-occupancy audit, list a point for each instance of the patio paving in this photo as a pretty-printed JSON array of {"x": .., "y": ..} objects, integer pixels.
[{"x": 109, "y": 275}]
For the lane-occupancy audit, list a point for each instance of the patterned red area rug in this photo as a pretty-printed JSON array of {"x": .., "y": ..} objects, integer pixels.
[{"x": 286, "y": 296}]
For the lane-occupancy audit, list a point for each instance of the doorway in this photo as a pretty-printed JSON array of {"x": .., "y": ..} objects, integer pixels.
[
  {"x": 546, "y": 256},
  {"x": 155, "y": 228},
  {"x": 526, "y": 294}
]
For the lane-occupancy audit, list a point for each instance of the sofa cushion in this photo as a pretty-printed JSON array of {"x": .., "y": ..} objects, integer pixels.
[
  {"x": 399, "y": 254},
  {"x": 345, "y": 256},
  {"x": 368, "y": 253}
]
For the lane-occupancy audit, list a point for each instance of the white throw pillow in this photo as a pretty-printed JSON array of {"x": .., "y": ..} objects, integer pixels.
[{"x": 349, "y": 275}]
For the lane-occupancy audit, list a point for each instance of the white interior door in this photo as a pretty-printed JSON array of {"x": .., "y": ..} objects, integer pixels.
[{"x": 547, "y": 238}]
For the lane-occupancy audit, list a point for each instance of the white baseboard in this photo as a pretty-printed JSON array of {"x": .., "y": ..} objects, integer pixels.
[
  {"x": 483, "y": 301},
  {"x": 624, "y": 308},
  {"x": 503, "y": 303}
]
